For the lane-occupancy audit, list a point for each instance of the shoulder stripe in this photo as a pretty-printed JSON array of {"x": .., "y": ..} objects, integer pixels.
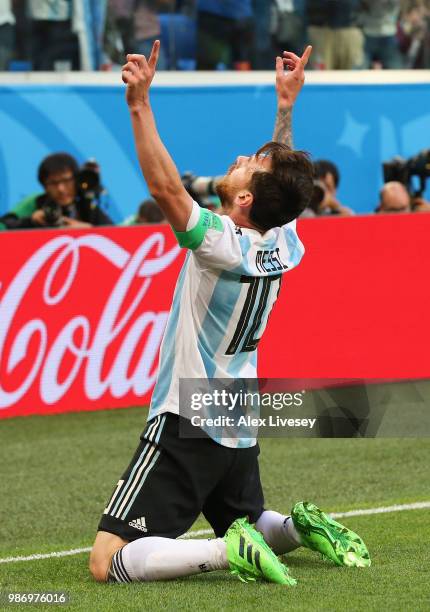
[{"x": 193, "y": 238}]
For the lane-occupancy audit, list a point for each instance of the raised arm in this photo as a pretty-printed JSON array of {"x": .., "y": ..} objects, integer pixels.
[
  {"x": 288, "y": 86},
  {"x": 159, "y": 170}
]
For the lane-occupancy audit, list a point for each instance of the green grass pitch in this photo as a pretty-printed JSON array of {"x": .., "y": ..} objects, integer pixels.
[{"x": 58, "y": 472}]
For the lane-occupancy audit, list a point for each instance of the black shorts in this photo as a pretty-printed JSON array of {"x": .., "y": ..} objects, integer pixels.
[{"x": 170, "y": 480}]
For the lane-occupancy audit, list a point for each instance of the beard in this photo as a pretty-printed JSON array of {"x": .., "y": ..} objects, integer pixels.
[{"x": 224, "y": 192}]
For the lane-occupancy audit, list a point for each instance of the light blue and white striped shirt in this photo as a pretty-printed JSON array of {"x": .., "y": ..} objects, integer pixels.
[{"x": 224, "y": 294}]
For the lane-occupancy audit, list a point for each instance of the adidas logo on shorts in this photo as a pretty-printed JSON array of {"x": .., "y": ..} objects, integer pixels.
[{"x": 139, "y": 523}]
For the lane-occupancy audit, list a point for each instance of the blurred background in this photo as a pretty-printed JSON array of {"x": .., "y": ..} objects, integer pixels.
[
  {"x": 213, "y": 34},
  {"x": 363, "y": 116}
]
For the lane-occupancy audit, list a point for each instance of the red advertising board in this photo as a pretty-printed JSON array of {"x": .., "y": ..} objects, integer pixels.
[
  {"x": 82, "y": 312},
  {"x": 82, "y": 315},
  {"x": 358, "y": 304}
]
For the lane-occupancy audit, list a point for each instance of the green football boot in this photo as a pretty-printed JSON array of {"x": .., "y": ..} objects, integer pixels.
[
  {"x": 335, "y": 541},
  {"x": 249, "y": 556}
]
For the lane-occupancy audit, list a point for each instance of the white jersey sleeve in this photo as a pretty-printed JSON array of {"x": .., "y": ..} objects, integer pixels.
[
  {"x": 218, "y": 244},
  {"x": 212, "y": 238}
]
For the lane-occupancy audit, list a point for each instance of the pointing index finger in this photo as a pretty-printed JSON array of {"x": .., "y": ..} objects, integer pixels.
[
  {"x": 153, "y": 58},
  {"x": 306, "y": 55}
]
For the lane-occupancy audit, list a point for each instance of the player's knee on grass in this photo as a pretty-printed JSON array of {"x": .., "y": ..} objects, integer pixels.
[
  {"x": 99, "y": 569},
  {"x": 104, "y": 547}
]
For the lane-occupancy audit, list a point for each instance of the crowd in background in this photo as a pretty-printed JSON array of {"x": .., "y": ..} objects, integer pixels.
[
  {"x": 213, "y": 34},
  {"x": 73, "y": 196},
  {"x": 202, "y": 34}
]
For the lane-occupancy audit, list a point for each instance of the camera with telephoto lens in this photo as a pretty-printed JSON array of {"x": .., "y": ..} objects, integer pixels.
[
  {"x": 318, "y": 195},
  {"x": 203, "y": 199},
  {"x": 88, "y": 182},
  {"x": 403, "y": 170},
  {"x": 52, "y": 212}
]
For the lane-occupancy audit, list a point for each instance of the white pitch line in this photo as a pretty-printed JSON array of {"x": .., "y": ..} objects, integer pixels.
[
  {"x": 61, "y": 553},
  {"x": 196, "y": 534},
  {"x": 383, "y": 510},
  {"x": 201, "y": 532}
]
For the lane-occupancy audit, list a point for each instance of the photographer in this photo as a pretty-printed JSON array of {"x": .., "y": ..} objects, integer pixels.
[
  {"x": 70, "y": 197},
  {"x": 394, "y": 197},
  {"x": 324, "y": 198},
  {"x": 405, "y": 182},
  {"x": 148, "y": 212}
]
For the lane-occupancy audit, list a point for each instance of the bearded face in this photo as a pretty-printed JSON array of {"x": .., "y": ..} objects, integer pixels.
[
  {"x": 225, "y": 192},
  {"x": 239, "y": 177}
]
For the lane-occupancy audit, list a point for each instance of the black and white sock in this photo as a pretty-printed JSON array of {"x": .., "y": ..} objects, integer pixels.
[
  {"x": 279, "y": 532},
  {"x": 155, "y": 558}
]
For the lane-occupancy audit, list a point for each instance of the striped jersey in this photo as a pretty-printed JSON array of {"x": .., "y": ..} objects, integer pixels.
[{"x": 225, "y": 292}]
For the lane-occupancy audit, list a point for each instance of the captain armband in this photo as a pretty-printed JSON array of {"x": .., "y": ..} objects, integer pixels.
[{"x": 193, "y": 238}]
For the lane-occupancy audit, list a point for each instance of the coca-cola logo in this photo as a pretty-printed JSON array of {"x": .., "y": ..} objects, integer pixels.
[{"x": 80, "y": 339}]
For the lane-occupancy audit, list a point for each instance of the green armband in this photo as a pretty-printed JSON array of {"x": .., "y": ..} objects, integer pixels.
[{"x": 193, "y": 238}]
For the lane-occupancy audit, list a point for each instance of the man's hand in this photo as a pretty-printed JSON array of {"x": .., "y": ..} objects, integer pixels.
[
  {"x": 159, "y": 170},
  {"x": 137, "y": 74},
  {"x": 290, "y": 82},
  {"x": 420, "y": 205},
  {"x": 38, "y": 217},
  {"x": 333, "y": 206}
]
